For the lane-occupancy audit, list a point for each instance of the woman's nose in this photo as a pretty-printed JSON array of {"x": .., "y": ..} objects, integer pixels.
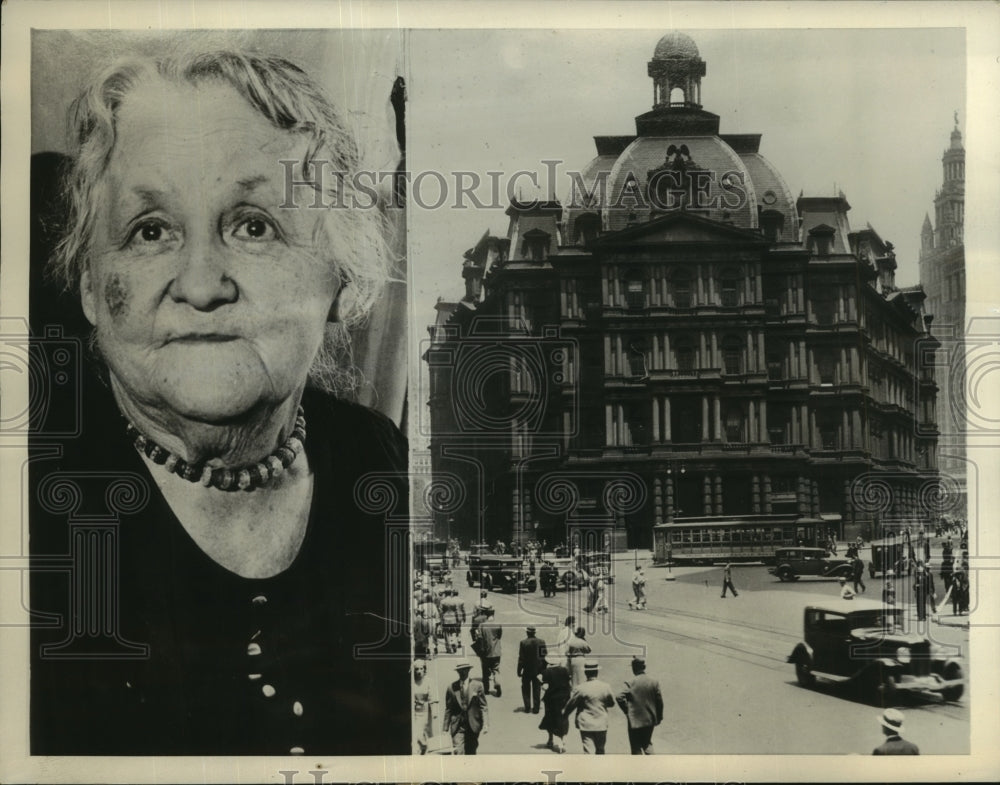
[{"x": 201, "y": 279}]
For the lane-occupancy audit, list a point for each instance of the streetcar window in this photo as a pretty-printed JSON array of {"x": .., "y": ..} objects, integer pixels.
[
  {"x": 715, "y": 535},
  {"x": 776, "y": 535},
  {"x": 687, "y": 535},
  {"x": 675, "y": 537},
  {"x": 737, "y": 536},
  {"x": 696, "y": 536}
]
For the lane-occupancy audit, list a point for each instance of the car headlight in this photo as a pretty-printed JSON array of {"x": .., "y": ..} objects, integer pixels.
[{"x": 903, "y": 654}]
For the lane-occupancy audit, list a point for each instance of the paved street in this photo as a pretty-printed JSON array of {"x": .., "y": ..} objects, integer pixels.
[{"x": 720, "y": 663}]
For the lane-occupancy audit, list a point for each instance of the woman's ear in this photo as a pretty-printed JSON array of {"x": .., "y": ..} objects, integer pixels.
[
  {"x": 87, "y": 299},
  {"x": 342, "y": 303}
]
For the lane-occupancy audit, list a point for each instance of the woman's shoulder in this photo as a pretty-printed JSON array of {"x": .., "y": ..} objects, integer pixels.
[{"x": 368, "y": 436}]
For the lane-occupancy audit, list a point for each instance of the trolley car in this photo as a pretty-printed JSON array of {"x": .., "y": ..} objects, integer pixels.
[{"x": 738, "y": 538}]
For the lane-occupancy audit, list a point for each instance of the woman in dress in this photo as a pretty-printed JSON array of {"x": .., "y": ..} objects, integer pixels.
[
  {"x": 577, "y": 650},
  {"x": 555, "y": 692},
  {"x": 238, "y": 603}
]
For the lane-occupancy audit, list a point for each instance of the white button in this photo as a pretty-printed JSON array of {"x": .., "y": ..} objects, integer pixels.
[
  {"x": 297, "y": 709},
  {"x": 268, "y": 691},
  {"x": 253, "y": 676},
  {"x": 296, "y": 751},
  {"x": 253, "y": 649}
]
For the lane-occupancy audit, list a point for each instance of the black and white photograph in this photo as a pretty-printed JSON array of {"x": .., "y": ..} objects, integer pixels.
[
  {"x": 693, "y": 299},
  {"x": 220, "y": 302},
  {"x": 607, "y": 391}
]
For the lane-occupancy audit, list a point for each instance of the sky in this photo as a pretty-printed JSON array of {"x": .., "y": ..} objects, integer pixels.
[{"x": 865, "y": 111}]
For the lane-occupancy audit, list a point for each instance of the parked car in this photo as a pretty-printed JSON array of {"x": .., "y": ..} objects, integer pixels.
[
  {"x": 507, "y": 573},
  {"x": 865, "y": 644},
  {"x": 790, "y": 564}
]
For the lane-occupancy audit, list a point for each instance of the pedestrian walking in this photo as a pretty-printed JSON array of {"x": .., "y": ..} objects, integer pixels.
[
  {"x": 466, "y": 715},
  {"x": 889, "y": 590},
  {"x": 639, "y": 590},
  {"x": 577, "y": 650},
  {"x": 858, "y": 574},
  {"x": 923, "y": 591},
  {"x": 642, "y": 702},
  {"x": 530, "y": 664},
  {"x": 959, "y": 592},
  {"x": 548, "y": 576},
  {"x": 845, "y": 591},
  {"x": 727, "y": 581},
  {"x": 591, "y": 701},
  {"x": 452, "y": 619},
  {"x": 422, "y": 723},
  {"x": 894, "y": 744},
  {"x": 600, "y": 596},
  {"x": 562, "y": 639},
  {"x": 488, "y": 648},
  {"x": 555, "y": 693},
  {"x": 947, "y": 570}
]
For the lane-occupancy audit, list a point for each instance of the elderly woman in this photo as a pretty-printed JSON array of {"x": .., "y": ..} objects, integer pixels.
[{"x": 219, "y": 252}]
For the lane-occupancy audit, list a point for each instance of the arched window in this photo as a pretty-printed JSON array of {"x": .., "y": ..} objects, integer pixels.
[
  {"x": 677, "y": 96},
  {"x": 735, "y": 423},
  {"x": 587, "y": 227},
  {"x": 680, "y": 288},
  {"x": 732, "y": 355},
  {"x": 826, "y": 365},
  {"x": 635, "y": 289},
  {"x": 729, "y": 287},
  {"x": 684, "y": 352},
  {"x": 637, "y": 357}
]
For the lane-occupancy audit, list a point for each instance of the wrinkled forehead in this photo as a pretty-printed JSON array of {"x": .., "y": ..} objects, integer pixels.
[{"x": 205, "y": 127}]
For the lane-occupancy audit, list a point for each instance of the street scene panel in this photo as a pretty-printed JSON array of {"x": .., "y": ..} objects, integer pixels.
[{"x": 670, "y": 360}]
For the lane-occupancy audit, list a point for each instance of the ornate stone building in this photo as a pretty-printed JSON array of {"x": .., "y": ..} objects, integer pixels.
[{"x": 680, "y": 337}]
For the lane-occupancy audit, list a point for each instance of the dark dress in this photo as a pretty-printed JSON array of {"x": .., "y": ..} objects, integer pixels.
[
  {"x": 144, "y": 645},
  {"x": 555, "y": 698}
]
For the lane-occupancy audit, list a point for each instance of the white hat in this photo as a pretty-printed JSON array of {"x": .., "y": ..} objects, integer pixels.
[{"x": 892, "y": 719}]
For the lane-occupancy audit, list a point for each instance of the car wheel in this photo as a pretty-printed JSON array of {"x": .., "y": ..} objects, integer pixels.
[
  {"x": 953, "y": 671},
  {"x": 804, "y": 674},
  {"x": 784, "y": 574}
]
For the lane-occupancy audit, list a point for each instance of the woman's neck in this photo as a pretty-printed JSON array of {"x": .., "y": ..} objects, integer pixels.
[{"x": 245, "y": 439}]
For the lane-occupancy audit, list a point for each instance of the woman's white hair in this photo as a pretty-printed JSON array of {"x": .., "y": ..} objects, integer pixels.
[{"x": 352, "y": 235}]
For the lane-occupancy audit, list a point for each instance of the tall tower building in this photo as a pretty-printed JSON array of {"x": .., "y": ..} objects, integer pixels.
[{"x": 942, "y": 274}]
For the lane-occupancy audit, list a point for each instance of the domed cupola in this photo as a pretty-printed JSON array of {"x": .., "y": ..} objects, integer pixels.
[{"x": 676, "y": 70}]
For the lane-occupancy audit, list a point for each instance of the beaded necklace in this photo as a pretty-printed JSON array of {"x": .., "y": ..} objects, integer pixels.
[{"x": 236, "y": 478}]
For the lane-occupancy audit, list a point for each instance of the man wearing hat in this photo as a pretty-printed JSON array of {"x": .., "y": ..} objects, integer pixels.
[
  {"x": 894, "y": 744},
  {"x": 465, "y": 712},
  {"x": 530, "y": 664},
  {"x": 591, "y": 701},
  {"x": 642, "y": 703},
  {"x": 487, "y": 646}
]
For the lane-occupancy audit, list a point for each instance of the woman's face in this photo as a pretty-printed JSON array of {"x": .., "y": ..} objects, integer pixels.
[{"x": 208, "y": 296}]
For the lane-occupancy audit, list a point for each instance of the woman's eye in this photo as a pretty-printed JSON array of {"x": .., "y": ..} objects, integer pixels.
[
  {"x": 254, "y": 229},
  {"x": 148, "y": 233}
]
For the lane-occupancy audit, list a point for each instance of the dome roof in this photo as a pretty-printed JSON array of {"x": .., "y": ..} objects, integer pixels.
[{"x": 676, "y": 45}]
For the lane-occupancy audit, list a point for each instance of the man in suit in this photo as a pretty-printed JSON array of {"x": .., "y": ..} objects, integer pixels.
[
  {"x": 488, "y": 648},
  {"x": 591, "y": 701},
  {"x": 894, "y": 744},
  {"x": 642, "y": 703},
  {"x": 530, "y": 664},
  {"x": 466, "y": 715}
]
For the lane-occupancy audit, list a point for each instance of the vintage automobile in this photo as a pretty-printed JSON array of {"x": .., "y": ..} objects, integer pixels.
[
  {"x": 887, "y": 555},
  {"x": 790, "y": 564},
  {"x": 865, "y": 644},
  {"x": 507, "y": 573}
]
